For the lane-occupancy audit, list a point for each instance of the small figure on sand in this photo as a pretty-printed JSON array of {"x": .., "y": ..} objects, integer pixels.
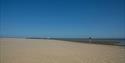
[{"x": 90, "y": 39}]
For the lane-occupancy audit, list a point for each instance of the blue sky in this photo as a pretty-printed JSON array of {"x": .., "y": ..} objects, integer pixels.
[{"x": 63, "y": 18}]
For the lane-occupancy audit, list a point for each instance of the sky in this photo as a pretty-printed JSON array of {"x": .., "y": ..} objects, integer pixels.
[{"x": 63, "y": 18}]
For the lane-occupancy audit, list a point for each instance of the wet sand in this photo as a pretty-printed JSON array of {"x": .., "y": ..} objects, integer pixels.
[{"x": 14, "y": 50}]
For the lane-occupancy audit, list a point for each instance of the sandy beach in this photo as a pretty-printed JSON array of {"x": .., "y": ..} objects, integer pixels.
[{"x": 14, "y": 50}]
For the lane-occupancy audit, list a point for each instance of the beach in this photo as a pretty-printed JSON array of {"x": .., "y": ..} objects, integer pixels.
[{"x": 18, "y": 50}]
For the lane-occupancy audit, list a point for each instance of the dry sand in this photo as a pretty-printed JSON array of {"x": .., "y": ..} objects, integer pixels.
[{"x": 55, "y": 51}]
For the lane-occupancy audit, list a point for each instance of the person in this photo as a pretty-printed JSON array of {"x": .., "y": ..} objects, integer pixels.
[{"x": 90, "y": 39}]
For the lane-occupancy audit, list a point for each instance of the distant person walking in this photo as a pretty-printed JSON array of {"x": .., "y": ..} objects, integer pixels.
[{"x": 90, "y": 39}]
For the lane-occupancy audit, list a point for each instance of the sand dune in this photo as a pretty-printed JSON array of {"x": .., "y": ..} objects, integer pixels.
[{"x": 55, "y": 51}]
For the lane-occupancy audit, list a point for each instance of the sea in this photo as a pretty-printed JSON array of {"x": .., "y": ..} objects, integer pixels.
[{"x": 120, "y": 42}]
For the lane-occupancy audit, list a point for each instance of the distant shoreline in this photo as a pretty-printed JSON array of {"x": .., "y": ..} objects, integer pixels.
[{"x": 102, "y": 41}]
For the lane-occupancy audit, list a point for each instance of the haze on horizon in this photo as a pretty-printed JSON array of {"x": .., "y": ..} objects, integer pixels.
[{"x": 63, "y": 18}]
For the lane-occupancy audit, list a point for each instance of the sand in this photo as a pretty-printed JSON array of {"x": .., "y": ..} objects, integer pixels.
[{"x": 54, "y": 51}]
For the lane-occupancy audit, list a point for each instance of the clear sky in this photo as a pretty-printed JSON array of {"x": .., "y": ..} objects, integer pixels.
[{"x": 63, "y": 18}]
